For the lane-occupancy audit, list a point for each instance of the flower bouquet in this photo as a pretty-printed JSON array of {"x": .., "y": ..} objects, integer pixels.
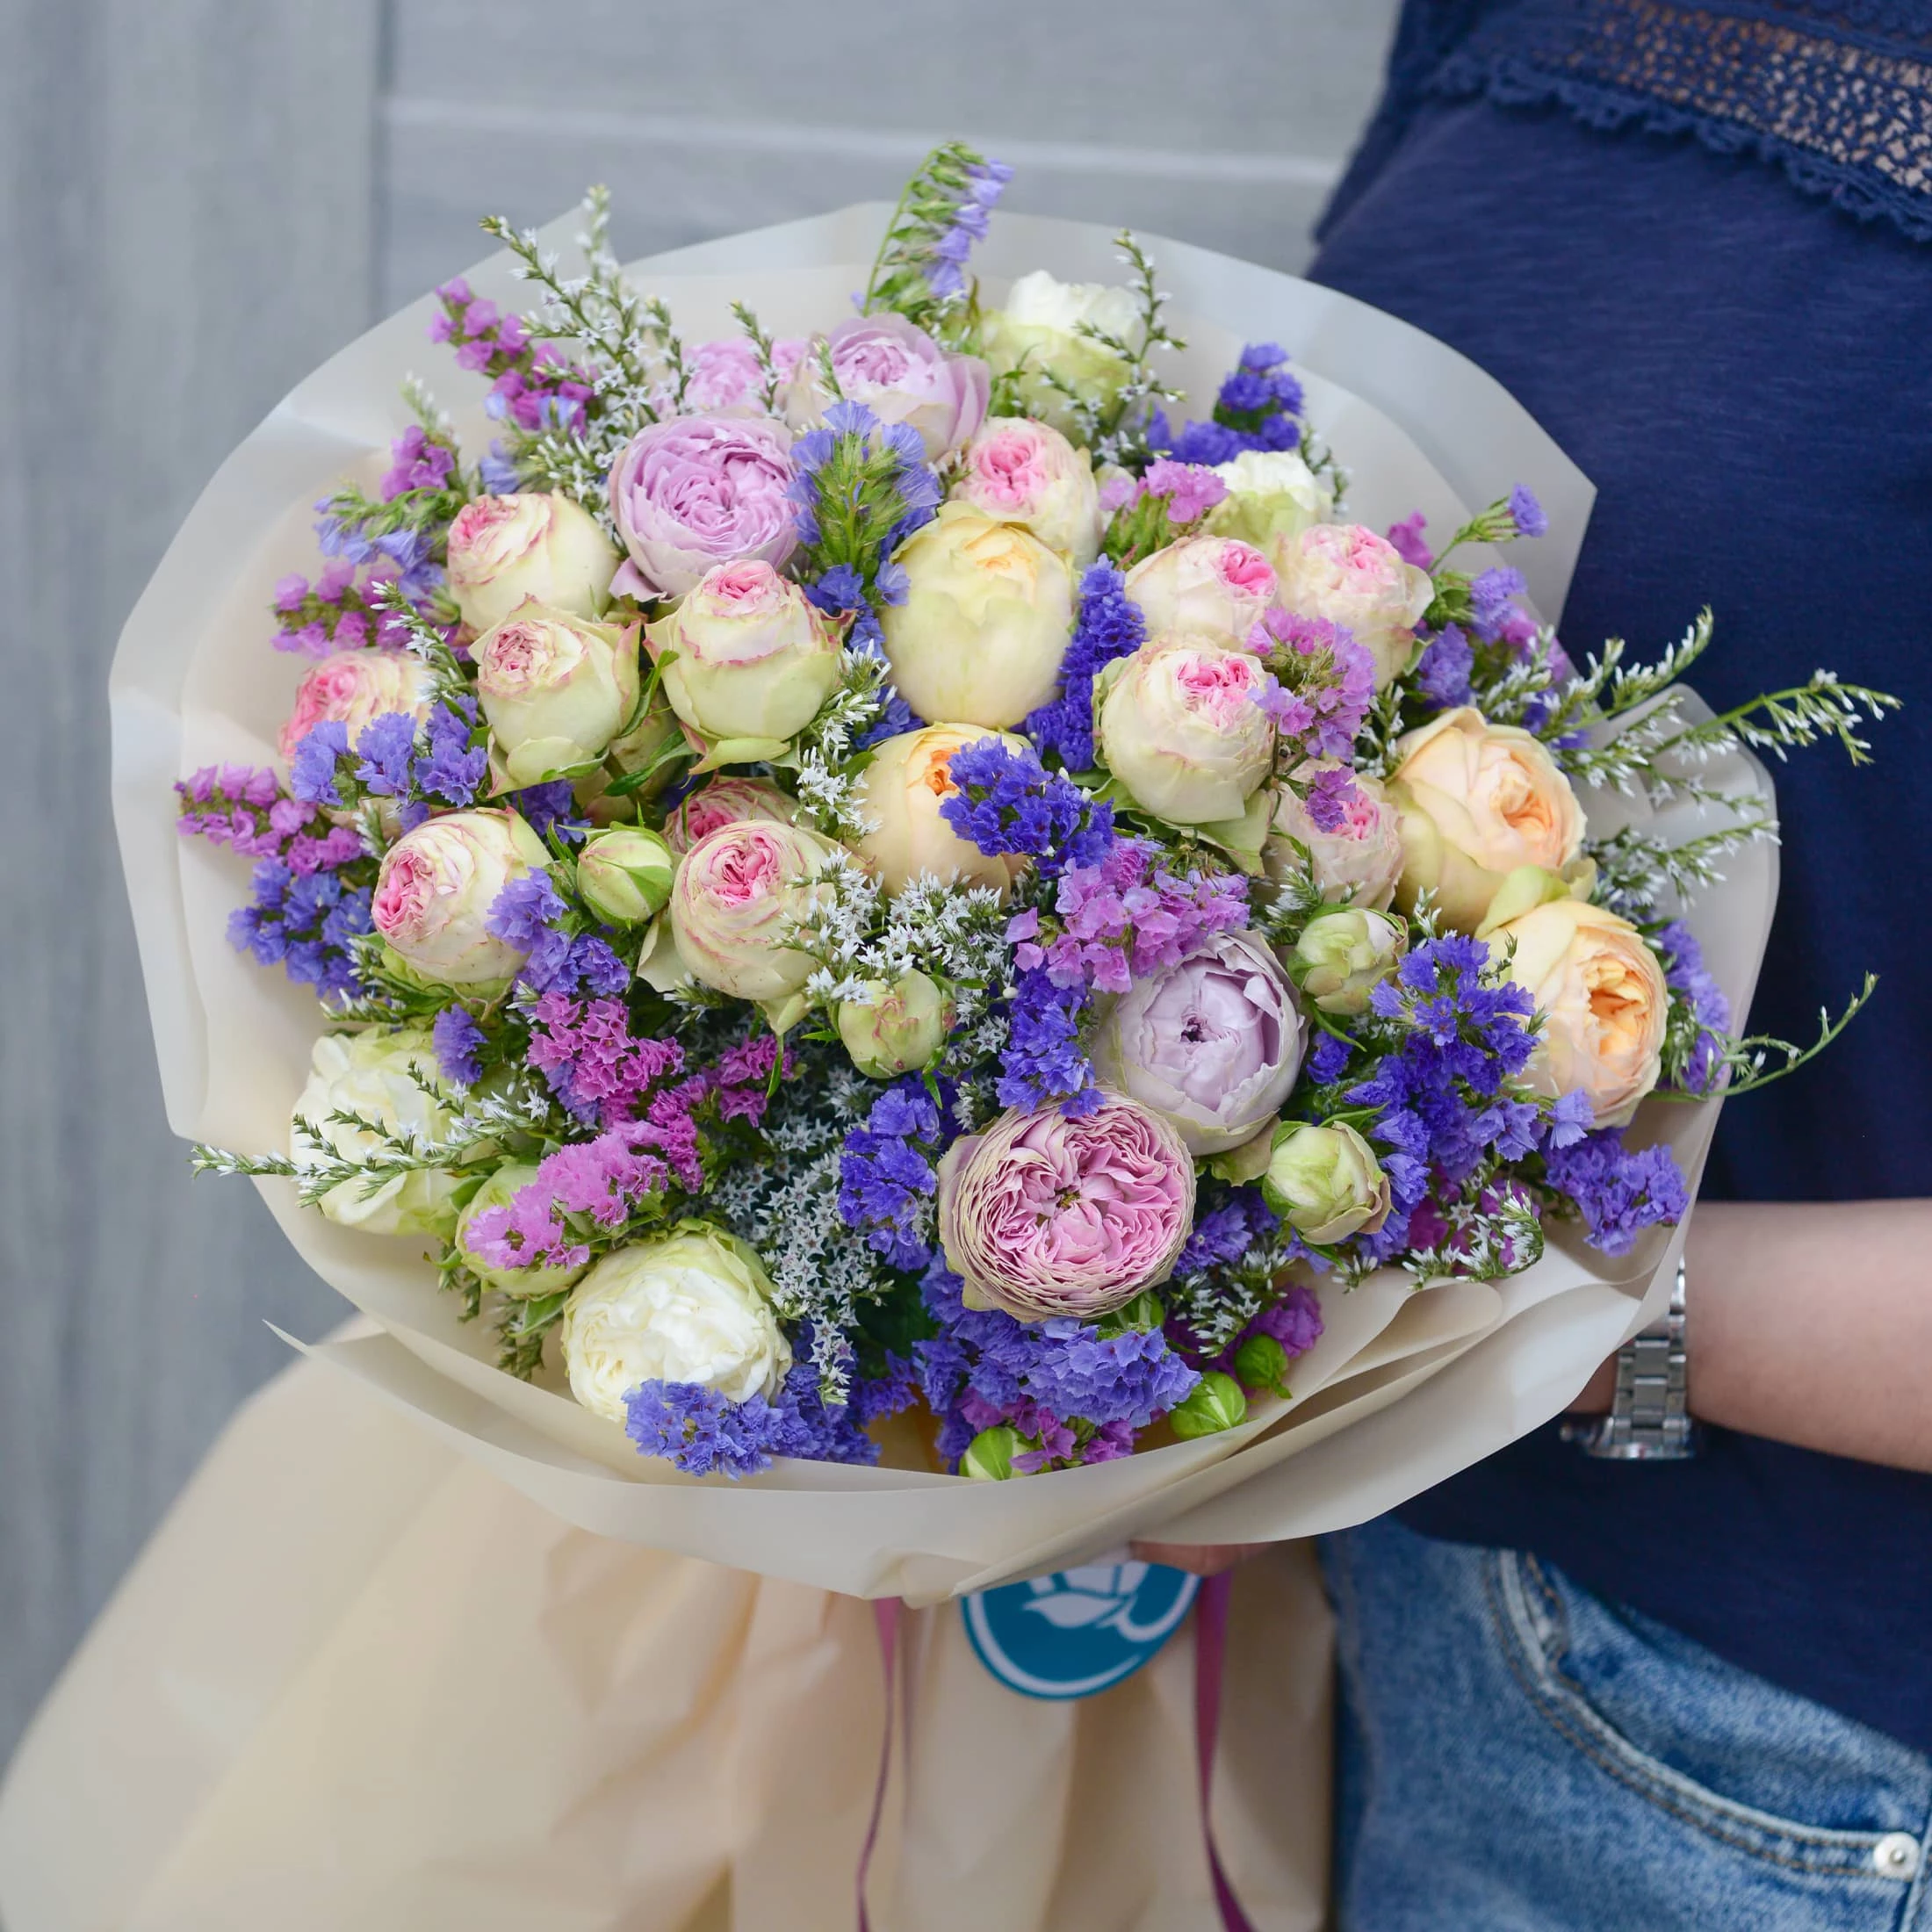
[{"x": 890, "y": 956}]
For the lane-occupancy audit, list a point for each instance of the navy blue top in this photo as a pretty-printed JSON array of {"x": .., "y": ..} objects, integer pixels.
[{"x": 1745, "y": 372}]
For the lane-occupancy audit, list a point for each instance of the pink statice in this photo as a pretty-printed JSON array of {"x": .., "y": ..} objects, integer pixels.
[
  {"x": 1410, "y": 546},
  {"x": 1321, "y": 685},
  {"x": 330, "y": 615},
  {"x": 1191, "y": 489},
  {"x": 244, "y": 808},
  {"x": 534, "y": 388},
  {"x": 595, "y": 1065}
]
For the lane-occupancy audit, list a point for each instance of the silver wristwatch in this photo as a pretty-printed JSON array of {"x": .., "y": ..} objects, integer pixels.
[{"x": 1649, "y": 1418}]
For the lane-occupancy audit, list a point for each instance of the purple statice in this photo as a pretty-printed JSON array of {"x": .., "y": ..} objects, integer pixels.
[
  {"x": 458, "y": 1043},
  {"x": 1190, "y": 489},
  {"x": 523, "y": 911},
  {"x": 1320, "y": 686},
  {"x": 240, "y": 806},
  {"x": 1259, "y": 407},
  {"x": 1167, "y": 503},
  {"x": 896, "y": 716},
  {"x": 1222, "y": 1234},
  {"x": 1410, "y": 546},
  {"x": 1442, "y": 674},
  {"x": 1328, "y": 1059},
  {"x": 417, "y": 461},
  {"x": 1617, "y": 1193},
  {"x": 1528, "y": 515},
  {"x": 532, "y": 387},
  {"x": 1045, "y": 1062},
  {"x": 386, "y": 752},
  {"x": 1493, "y": 596},
  {"x": 595, "y": 1065},
  {"x": 1120, "y": 920},
  {"x": 312, "y": 770},
  {"x": 1108, "y": 625},
  {"x": 1078, "y": 1394},
  {"x": 887, "y": 1180},
  {"x": 329, "y": 614},
  {"x": 1005, "y": 801},
  {"x": 603, "y": 1183},
  {"x": 1688, "y": 977},
  {"x": 1332, "y": 794},
  {"x": 944, "y": 263},
  {"x": 550, "y": 806},
  {"x": 306, "y": 924},
  {"x": 704, "y": 1433},
  {"x": 530, "y": 914},
  {"x": 453, "y": 768}
]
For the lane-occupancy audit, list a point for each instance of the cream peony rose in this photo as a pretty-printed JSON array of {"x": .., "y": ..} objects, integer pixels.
[
  {"x": 540, "y": 544},
  {"x": 737, "y": 892},
  {"x": 1212, "y": 586},
  {"x": 1038, "y": 328},
  {"x": 435, "y": 890},
  {"x": 1348, "y": 575},
  {"x": 373, "y": 1074},
  {"x": 556, "y": 690},
  {"x": 1178, "y": 725},
  {"x": 901, "y": 792},
  {"x": 987, "y": 614},
  {"x": 1272, "y": 497},
  {"x": 747, "y": 660},
  {"x": 1603, "y": 999},
  {"x": 1358, "y": 863},
  {"x": 1477, "y": 800},
  {"x": 1022, "y": 471},
  {"x": 694, "y": 1306}
]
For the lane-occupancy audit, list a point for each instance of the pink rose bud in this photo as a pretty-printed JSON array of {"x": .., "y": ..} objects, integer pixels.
[
  {"x": 899, "y": 373},
  {"x": 503, "y": 549},
  {"x": 350, "y": 688},
  {"x": 724, "y": 379},
  {"x": 1045, "y": 1215},
  {"x": 696, "y": 491}
]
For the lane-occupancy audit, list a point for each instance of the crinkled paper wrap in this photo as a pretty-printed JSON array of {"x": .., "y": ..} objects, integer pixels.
[{"x": 1404, "y": 1388}]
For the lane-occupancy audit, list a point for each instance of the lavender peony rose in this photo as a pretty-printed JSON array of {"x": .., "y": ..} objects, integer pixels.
[
  {"x": 1045, "y": 1215},
  {"x": 1212, "y": 1044},
  {"x": 696, "y": 491},
  {"x": 899, "y": 373}
]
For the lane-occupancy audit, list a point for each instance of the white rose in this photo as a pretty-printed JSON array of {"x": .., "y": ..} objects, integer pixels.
[
  {"x": 1272, "y": 495},
  {"x": 436, "y": 886},
  {"x": 901, "y": 792},
  {"x": 1039, "y": 325},
  {"x": 987, "y": 615},
  {"x": 372, "y": 1074},
  {"x": 536, "y": 544},
  {"x": 1214, "y": 587},
  {"x": 1177, "y": 725},
  {"x": 692, "y": 1307},
  {"x": 1022, "y": 471},
  {"x": 556, "y": 690}
]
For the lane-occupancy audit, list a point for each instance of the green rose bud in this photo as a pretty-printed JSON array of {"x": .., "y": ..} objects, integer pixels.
[
  {"x": 1342, "y": 955},
  {"x": 497, "y": 1191},
  {"x": 1325, "y": 1182},
  {"x": 989, "y": 1455},
  {"x": 1140, "y": 1317},
  {"x": 1261, "y": 1362},
  {"x": 1216, "y": 1403},
  {"x": 897, "y": 1031},
  {"x": 625, "y": 874}
]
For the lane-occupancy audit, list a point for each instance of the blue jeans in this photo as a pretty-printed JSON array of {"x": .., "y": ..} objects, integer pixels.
[{"x": 1520, "y": 1757}]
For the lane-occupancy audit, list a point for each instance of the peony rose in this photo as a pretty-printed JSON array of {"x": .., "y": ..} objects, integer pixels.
[
  {"x": 693, "y": 491},
  {"x": 556, "y": 690},
  {"x": 1045, "y": 1216},
  {"x": 1340, "y": 957},
  {"x": 435, "y": 890},
  {"x": 1325, "y": 1182},
  {"x": 1603, "y": 1000},
  {"x": 1358, "y": 863},
  {"x": 540, "y": 544},
  {"x": 725, "y": 802},
  {"x": 499, "y": 1191},
  {"x": 1020, "y": 472},
  {"x": 1212, "y": 1044},
  {"x": 723, "y": 379},
  {"x": 1272, "y": 497},
  {"x": 1478, "y": 800},
  {"x": 625, "y": 874},
  {"x": 901, "y": 792},
  {"x": 1039, "y": 326},
  {"x": 747, "y": 660},
  {"x": 736, "y": 891},
  {"x": 898, "y": 372},
  {"x": 1211, "y": 587},
  {"x": 352, "y": 686},
  {"x": 694, "y": 1306},
  {"x": 987, "y": 614},
  {"x": 1179, "y": 726},
  {"x": 374, "y": 1074},
  {"x": 1348, "y": 575},
  {"x": 898, "y": 1029}
]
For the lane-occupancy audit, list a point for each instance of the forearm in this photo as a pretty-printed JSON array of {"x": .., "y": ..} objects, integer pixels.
[{"x": 1811, "y": 1322}]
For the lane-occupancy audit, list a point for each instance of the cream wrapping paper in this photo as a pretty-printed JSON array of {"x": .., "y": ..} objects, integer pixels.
[{"x": 1404, "y": 1388}]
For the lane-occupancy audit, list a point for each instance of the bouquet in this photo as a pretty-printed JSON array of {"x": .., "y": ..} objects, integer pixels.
[{"x": 890, "y": 891}]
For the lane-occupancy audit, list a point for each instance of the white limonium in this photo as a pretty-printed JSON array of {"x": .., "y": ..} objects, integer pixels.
[
  {"x": 379, "y": 1077},
  {"x": 694, "y": 1306}
]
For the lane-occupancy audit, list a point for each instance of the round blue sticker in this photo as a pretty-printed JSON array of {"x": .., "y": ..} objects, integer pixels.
[{"x": 1078, "y": 1630}]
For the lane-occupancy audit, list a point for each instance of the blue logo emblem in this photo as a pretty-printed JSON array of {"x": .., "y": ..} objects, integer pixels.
[{"x": 1079, "y": 1631}]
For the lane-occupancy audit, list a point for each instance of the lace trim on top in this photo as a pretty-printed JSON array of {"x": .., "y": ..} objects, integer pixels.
[{"x": 1841, "y": 96}]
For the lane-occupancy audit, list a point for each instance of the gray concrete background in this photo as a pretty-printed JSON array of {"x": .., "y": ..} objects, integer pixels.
[{"x": 199, "y": 200}]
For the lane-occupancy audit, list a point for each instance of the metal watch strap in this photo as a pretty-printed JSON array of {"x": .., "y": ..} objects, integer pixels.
[{"x": 1649, "y": 1419}]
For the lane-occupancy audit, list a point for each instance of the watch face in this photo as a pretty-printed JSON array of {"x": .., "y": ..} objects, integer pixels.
[{"x": 1078, "y": 1630}]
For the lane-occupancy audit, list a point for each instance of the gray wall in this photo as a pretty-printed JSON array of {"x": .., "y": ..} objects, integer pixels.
[{"x": 201, "y": 199}]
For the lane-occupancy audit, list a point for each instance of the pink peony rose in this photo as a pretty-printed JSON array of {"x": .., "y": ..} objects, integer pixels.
[
  {"x": 350, "y": 688},
  {"x": 726, "y": 801},
  {"x": 1213, "y": 1045},
  {"x": 1214, "y": 586},
  {"x": 725, "y": 380},
  {"x": 738, "y": 892},
  {"x": 902, "y": 375},
  {"x": 1020, "y": 472},
  {"x": 1345, "y": 573},
  {"x": 437, "y": 886},
  {"x": 696, "y": 491},
  {"x": 1045, "y": 1215},
  {"x": 503, "y": 549},
  {"x": 1356, "y": 864}
]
